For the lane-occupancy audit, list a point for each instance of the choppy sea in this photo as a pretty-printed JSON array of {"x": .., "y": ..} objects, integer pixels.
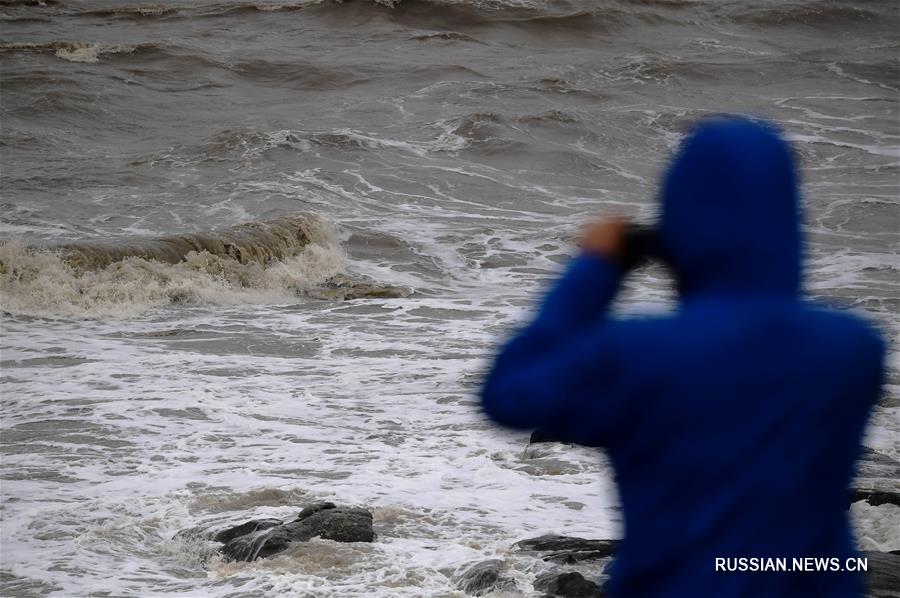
[{"x": 441, "y": 155}]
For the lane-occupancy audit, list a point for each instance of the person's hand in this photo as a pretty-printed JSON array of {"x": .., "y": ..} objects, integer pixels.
[{"x": 604, "y": 238}]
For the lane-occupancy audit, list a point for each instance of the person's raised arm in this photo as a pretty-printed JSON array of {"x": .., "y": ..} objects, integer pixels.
[
  {"x": 551, "y": 373},
  {"x": 589, "y": 285}
]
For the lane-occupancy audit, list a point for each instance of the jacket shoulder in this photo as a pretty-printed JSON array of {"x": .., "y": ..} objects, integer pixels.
[
  {"x": 849, "y": 328},
  {"x": 741, "y": 334}
]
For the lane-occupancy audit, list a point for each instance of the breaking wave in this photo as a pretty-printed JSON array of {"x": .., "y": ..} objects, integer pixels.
[
  {"x": 250, "y": 243},
  {"x": 255, "y": 262}
]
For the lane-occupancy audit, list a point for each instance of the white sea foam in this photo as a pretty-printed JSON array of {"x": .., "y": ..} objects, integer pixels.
[{"x": 229, "y": 427}]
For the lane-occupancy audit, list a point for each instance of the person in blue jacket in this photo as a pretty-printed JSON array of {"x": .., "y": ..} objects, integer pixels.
[{"x": 733, "y": 425}]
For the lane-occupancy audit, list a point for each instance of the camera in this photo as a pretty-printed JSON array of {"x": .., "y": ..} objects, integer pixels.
[{"x": 641, "y": 245}]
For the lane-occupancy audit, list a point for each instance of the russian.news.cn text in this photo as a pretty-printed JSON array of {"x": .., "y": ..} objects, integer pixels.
[{"x": 791, "y": 565}]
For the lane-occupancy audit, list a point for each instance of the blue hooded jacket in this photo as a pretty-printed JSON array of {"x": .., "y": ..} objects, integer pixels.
[{"x": 734, "y": 424}]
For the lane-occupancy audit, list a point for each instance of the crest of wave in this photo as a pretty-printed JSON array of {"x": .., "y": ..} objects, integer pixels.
[
  {"x": 43, "y": 282},
  {"x": 477, "y": 4}
]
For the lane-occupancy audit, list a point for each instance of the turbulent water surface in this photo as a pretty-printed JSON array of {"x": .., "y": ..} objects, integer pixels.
[{"x": 404, "y": 178}]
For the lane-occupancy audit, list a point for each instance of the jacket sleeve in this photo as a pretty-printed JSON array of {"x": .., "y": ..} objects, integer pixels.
[{"x": 561, "y": 372}]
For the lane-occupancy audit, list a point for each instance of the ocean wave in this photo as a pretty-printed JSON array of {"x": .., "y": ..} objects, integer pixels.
[
  {"x": 816, "y": 14},
  {"x": 249, "y": 243},
  {"x": 495, "y": 131},
  {"x": 669, "y": 71},
  {"x": 217, "y": 9},
  {"x": 255, "y": 262},
  {"x": 299, "y": 74},
  {"x": 76, "y": 51},
  {"x": 541, "y": 85},
  {"x": 348, "y": 138},
  {"x": 529, "y": 14},
  {"x": 153, "y": 10},
  {"x": 139, "y": 11},
  {"x": 231, "y": 144},
  {"x": 539, "y": 14},
  {"x": 232, "y": 8},
  {"x": 478, "y": 126},
  {"x": 550, "y": 116},
  {"x": 240, "y": 145},
  {"x": 305, "y": 76},
  {"x": 884, "y": 74},
  {"x": 474, "y": 130},
  {"x": 30, "y": 2}
]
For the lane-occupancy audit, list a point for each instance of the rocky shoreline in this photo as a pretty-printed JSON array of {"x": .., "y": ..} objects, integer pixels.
[
  {"x": 264, "y": 538},
  {"x": 876, "y": 484}
]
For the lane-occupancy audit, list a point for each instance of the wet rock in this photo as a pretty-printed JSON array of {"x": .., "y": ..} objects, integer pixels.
[
  {"x": 254, "y": 525},
  {"x": 224, "y": 535},
  {"x": 484, "y": 577},
  {"x": 257, "y": 545},
  {"x": 315, "y": 508},
  {"x": 343, "y": 289},
  {"x": 323, "y": 520},
  {"x": 567, "y": 550},
  {"x": 883, "y": 575},
  {"x": 570, "y": 585},
  {"x": 341, "y": 524},
  {"x": 875, "y": 498}
]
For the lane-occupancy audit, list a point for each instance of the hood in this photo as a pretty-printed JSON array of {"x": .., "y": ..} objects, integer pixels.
[{"x": 730, "y": 216}]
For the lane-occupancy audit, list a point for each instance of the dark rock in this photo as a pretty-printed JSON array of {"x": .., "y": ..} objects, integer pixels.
[
  {"x": 341, "y": 524},
  {"x": 257, "y": 545},
  {"x": 315, "y": 508},
  {"x": 343, "y": 289},
  {"x": 570, "y": 585},
  {"x": 324, "y": 520},
  {"x": 883, "y": 575},
  {"x": 567, "y": 550},
  {"x": 875, "y": 498},
  {"x": 483, "y": 577},
  {"x": 227, "y": 535}
]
